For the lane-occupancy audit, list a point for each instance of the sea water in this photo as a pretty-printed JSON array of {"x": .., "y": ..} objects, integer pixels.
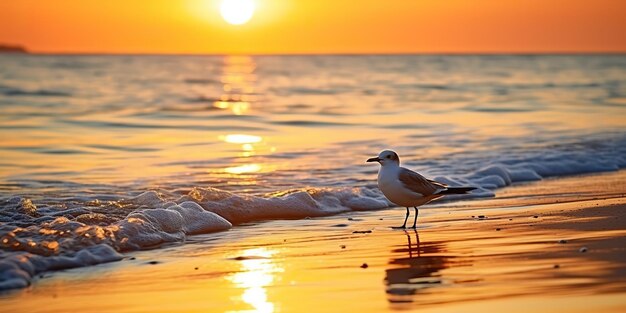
[{"x": 104, "y": 154}]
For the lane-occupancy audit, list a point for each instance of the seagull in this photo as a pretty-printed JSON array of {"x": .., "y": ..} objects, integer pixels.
[{"x": 407, "y": 188}]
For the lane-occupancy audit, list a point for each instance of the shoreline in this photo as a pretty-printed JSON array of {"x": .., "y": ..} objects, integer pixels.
[{"x": 462, "y": 263}]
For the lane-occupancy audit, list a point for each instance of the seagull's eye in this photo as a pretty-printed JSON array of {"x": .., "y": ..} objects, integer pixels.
[{"x": 388, "y": 157}]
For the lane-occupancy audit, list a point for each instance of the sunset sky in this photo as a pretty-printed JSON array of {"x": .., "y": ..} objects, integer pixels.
[{"x": 316, "y": 26}]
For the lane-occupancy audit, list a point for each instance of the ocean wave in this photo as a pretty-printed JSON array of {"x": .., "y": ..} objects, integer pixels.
[
  {"x": 34, "y": 240},
  {"x": 309, "y": 123},
  {"x": 300, "y": 90},
  {"x": 74, "y": 234},
  {"x": 18, "y": 269},
  {"x": 143, "y": 125},
  {"x": 11, "y": 91}
]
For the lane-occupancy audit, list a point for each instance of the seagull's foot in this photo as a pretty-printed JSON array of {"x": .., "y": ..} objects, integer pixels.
[
  {"x": 398, "y": 227},
  {"x": 413, "y": 227}
]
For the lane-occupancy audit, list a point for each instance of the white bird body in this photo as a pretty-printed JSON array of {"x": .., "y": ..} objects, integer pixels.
[
  {"x": 406, "y": 188},
  {"x": 391, "y": 186}
]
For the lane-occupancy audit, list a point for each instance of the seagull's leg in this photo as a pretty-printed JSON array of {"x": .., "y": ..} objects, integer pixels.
[
  {"x": 405, "y": 218},
  {"x": 415, "y": 220}
]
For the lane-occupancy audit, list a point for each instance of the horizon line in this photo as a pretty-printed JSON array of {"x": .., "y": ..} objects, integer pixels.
[{"x": 450, "y": 53}]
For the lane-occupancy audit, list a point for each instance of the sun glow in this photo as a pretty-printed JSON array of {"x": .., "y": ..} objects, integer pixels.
[
  {"x": 237, "y": 12},
  {"x": 243, "y": 169},
  {"x": 241, "y": 139}
]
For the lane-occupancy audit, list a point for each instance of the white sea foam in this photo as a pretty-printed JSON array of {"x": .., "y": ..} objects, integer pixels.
[
  {"x": 61, "y": 242},
  {"x": 18, "y": 269},
  {"x": 502, "y": 168},
  {"x": 150, "y": 227},
  {"x": 49, "y": 237},
  {"x": 290, "y": 204}
]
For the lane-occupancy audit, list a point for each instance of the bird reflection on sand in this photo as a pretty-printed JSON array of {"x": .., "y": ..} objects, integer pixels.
[{"x": 415, "y": 269}]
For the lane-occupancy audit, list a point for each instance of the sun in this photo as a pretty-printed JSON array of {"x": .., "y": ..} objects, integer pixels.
[{"x": 237, "y": 12}]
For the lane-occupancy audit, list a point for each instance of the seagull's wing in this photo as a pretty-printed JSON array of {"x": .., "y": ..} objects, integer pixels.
[
  {"x": 436, "y": 183},
  {"x": 417, "y": 183}
]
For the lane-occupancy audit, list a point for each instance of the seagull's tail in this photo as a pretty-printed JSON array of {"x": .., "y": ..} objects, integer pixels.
[{"x": 456, "y": 190}]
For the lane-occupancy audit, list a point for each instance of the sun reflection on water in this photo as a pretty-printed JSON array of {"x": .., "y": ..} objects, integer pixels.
[
  {"x": 258, "y": 271},
  {"x": 237, "y": 107},
  {"x": 238, "y": 79},
  {"x": 243, "y": 169},
  {"x": 241, "y": 139}
]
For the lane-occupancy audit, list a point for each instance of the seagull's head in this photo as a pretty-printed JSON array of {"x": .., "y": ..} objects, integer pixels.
[{"x": 386, "y": 157}]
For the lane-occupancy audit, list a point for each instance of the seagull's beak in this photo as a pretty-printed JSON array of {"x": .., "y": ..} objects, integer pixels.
[{"x": 376, "y": 159}]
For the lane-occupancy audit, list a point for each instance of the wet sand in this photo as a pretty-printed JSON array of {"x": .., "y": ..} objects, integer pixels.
[{"x": 553, "y": 245}]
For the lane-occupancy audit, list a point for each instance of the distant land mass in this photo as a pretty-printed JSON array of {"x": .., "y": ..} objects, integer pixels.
[{"x": 12, "y": 49}]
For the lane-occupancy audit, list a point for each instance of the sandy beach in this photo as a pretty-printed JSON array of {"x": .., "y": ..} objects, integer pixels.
[{"x": 542, "y": 246}]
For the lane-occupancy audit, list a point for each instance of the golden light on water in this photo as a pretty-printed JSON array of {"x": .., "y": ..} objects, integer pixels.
[
  {"x": 256, "y": 274},
  {"x": 243, "y": 169},
  {"x": 241, "y": 138},
  {"x": 237, "y": 107},
  {"x": 247, "y": 143},
  {"x": 237, "y": 83}
]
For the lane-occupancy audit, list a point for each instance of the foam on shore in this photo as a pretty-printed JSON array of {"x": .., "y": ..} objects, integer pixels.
[
  {"x": 42, "y": 237},
  {"x": 81, "y": 237}
]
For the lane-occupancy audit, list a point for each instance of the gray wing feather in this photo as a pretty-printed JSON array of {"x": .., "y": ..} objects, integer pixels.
[
  {"x": 436, "y": 183},
  {"x": 417, "y": 183}
]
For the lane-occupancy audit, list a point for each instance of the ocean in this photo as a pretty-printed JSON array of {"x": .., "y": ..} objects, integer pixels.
[{"x": 106, "y": 154}]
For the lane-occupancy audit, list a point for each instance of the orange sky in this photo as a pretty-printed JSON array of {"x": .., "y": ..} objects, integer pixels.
[{"x": 316, "y": 26}]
